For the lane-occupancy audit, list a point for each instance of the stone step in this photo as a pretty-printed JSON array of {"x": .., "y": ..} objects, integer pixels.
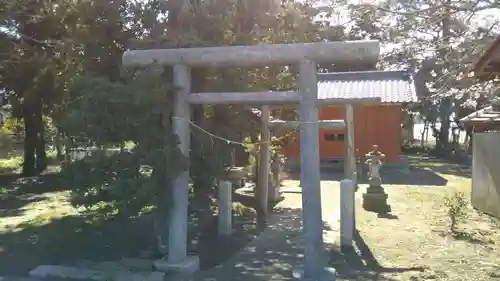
[
  {"x": 17, "y": 278},
  {"x": 132, "y": 264},
  {"x": 105, "y": 273}
]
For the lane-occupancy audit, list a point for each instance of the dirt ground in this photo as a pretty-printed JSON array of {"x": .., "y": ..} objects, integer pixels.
[
  {"x": 412, "y": 244},
  {"x": 38, "y": 225},
  {"x": 418, "y": 235}
]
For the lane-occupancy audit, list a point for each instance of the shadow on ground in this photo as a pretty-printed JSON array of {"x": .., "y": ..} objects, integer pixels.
[
  {"x": 390, "y": 175},
  {"x": 213, "y": 249},
  {"x": 438, "y": 165},
  {"x": 11, "y": 206},
  {"x": 72, "y": 238},
  {"x": 69, "y": 239},
  {"x": 360, "y": 264},
  {"x": 277, "y": 253},
  {"x": 20, "y": 192},
  {"x": 14, "y": 184},
  {"x": 422, "y": 169}
]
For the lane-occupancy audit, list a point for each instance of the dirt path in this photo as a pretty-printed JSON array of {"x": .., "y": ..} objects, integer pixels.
[{"x": 413, "y": 244}]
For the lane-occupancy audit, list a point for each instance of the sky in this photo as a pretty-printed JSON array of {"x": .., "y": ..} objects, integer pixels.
[{"x": 483, "y": 19}]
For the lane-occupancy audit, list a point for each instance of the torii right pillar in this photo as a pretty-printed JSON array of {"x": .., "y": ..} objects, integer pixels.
[
  {"x": 350, "y": 170},
  {"x": 314, "y": 250}
]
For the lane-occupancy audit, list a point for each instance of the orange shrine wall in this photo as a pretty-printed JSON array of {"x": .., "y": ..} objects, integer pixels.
[{"x": 373, "y": 124}]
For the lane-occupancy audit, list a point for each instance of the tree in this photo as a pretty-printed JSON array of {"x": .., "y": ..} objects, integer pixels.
[
  {"x": 31, "y": 70},
  {"x": 436, "y": 40},
  {"x": 230, "y": 22},
  {"x": 69, "y": 69},
  {"x": 46, "y": 44}
]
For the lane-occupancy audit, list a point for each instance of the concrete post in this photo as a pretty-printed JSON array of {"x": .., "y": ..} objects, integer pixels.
[
  {"x": 346, "y": 213},
  {"x": 225, "y": 208},
  {"x": 264, "y": 161},
  {"x": 309, "y": 171}
]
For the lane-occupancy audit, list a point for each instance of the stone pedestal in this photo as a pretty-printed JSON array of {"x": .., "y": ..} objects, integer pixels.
[
  {"x": 274, "y": 190},
  {"x": 375, "y": 198},
  {"x": 326, "y": 274},
  {"x": 235, "y": 175},
  {"x": 274, "y": 195},
  {"x": 187, "y": 266}
]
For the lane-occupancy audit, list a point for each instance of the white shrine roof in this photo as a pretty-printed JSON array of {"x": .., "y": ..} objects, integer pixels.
[{"x": 389, "y": 86}]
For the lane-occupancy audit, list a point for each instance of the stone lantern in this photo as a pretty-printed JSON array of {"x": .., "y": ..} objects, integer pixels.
[{"x": 375, "y": 198}]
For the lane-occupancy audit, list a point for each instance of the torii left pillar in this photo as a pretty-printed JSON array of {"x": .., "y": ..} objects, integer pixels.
[{"x": 178, "y": 261}]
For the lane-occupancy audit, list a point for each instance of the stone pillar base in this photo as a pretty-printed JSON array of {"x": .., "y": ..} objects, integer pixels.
[
  {"x": 188, "y": 266},
  {"x": 275, "y": 195},
  {"x": 375, "y": 200},
  {"x": 328, "y": 274}
]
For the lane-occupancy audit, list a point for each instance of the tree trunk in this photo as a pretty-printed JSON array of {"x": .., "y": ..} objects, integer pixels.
[
  {"x": 35, "y": 157},
  {"x": 442, "y": 144},
  {"x": 202, "y": 185},
  {"x": 426, "y": 129},
  {"x": 422, "y": 136},
  {"x": 40, "y": 151},
  {"x": 471, "y": 139},
  {"x": 444, "y": 132},
  {"x": 59, "y": 147},
  {"x": 28, "y": 27},
  {"x": 30, "y": 142},
  {"x": 468, "y": 136}
]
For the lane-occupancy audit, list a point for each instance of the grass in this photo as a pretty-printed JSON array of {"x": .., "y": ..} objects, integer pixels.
[
  {"x": 422, "y": 235},
  {"x": 11, "y": 164},
  {"x": 38, "y": 225}
]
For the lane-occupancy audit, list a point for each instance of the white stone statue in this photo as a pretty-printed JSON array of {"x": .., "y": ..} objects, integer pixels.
[{"x": 374, "y": 162}]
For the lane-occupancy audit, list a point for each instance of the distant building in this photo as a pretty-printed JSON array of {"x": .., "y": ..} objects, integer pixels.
[
  {"x": 488, "y": 64},
  {"x": 373, "y": 123},
  {"x": 485, "y": 189},
  {"x": 487, "y": 67}
]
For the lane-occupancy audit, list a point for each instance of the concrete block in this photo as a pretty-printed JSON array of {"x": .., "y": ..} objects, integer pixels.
[
  {"x": 327, "y": 274},
  {"x": 225, "y": 208},
  {"x": 188, "y": 266},
  {"x": 58, "y": 271},
  {"x": 347, "y": 190}
]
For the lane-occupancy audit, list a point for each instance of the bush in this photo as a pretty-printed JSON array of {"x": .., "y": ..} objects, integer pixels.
[
  {"x": 103, "y": 114},
  {"x": 123, "y": 183},
  {"x": 456, "y": 205}
]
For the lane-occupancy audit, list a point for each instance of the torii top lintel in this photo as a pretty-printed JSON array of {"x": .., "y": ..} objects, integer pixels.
[{"x": 258, "y": 55}]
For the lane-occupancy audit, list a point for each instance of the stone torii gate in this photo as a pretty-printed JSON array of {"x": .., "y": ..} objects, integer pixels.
[{"x": 307, "y": 55}]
